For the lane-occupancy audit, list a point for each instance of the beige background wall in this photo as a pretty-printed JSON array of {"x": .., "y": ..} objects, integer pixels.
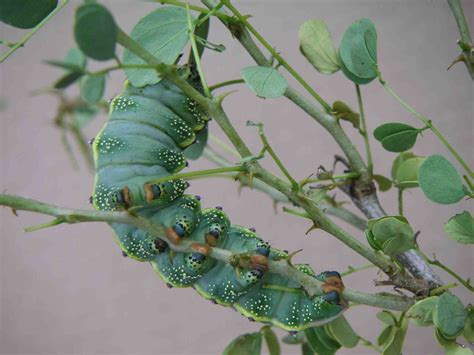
[{"x": 68, "y": 289}]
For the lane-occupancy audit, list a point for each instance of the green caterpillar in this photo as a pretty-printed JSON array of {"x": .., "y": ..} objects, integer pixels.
[{"x": 149, "y": 132}]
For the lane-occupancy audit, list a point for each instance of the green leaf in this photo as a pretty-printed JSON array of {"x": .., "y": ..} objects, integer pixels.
[
  {"x": 387, "y": 317},
  {"x": 358, "y": 52},
  {"x": 391, "y": 235},
  {"x": 306, "y": 349},
  {"x": 461, "y": 228},
  {"x": 342, "y": 332},
  {"x": 421, "y": 313},
  {"x": 384, "y": 183},
  {"x": 457, "y": 349},
  {"x": 319, "y": 343},
  {"x": 201, "y": 32},
  {"x": 264, "y": 81},
  {"x": 64, "y": 65},
  {"x": 317, "y": 46},
  {"x": 450, "y": 346},
  {"x": 386, "y": 335},
  {"x": 83, "y": 115},
  {"x": 68, "y": 79},
  {"x": 342, "y": 111},
  {"x": 75, "y": 56},
  {"x": 440, "y": 181},
  {"x": 468, "y": 331},
  {"x": 395, "y": 346},
  {"x": 163, "y": 33},
  {"x": 407, "y": 173},
  {"x": 449, "y": 315},
  {"x": 292, "y": 339},
  {"x": 250, "y": 343},
  {"x": 396, "y": 137},
  {"x": 95, "y": 31},
  {"x": 400, "y": 142},
  {"x": 92, "y": 88},
  {"x": 388, "y": 129},
  {"x": 25, "y": 13},
  {"x": 194, "y": 151},
  {"x": 398, "y": 161},
  {"x": 272, "y": 340}
]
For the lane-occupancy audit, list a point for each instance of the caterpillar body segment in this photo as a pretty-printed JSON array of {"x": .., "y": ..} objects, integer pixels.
[{"x": 150, "y": 133}]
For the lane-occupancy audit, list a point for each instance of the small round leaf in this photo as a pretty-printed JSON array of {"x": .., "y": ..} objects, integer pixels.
[
  {"x": 384, "y": 183},
  {"x": 25, "y": 13},
  {"x": 250, "y": 344},
  {"x": 388, "y": 129},
  {"x": 398, "y": 161},
  {"x": 264, "y": 81},
  {"x": 461, "y": 228},
  {"x": 396, "y": 137},
  {"x": 449, "y": 315},
  {"x": 440, "y": 181},
  {"x": 407, "y": 173},
  {"x": 92, "y": 88},
  {"x": 358, "y": 52},
  {"x": 317, "y": 46},
  {"x": 163, "y": 33},
  {"x": 95, "y": 31},
  {"x": 400, "y": 142},
  {"x": 342, "y": 332},
  {"x": 421, "y": 313}
]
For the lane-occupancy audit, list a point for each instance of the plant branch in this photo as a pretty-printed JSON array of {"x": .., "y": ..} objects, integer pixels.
[
  {"x": 22, "y": 42},
  {"x": 364, "y": 130},
  {"x": 199, "y": 173},
  {"x": 429, "y": 124},
  {"x": 466, "y": 42},
  {"x": 197, "y": 58},
  {"x": 214, "y": 108},
  {"x": 226, "y": 83},
  {"x": 282, "y": 267},
  {"x": 277, "y": 56}
]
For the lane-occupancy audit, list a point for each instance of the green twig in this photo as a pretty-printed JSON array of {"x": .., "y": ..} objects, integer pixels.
[
  {"x": 199, "y": 173},
  {"x": 214, "y": 107},
  {"x": 226, "y": 83},
  {"x": 400, "y": 201},
  {"x": 370, "y": 166},
  {"x": 33, "y": 31},
  {"x": 466, "y": 42},
  {"x": 296, "y": 213},
  {"x": 428, "y": 123},
  {"x": 465, "y": 282},
  {"x": 216, "y": 140},
  {"x": 326, "y": 120},
  {"x": 345, "y": 176},
  {"x": 442, "y": 289},
  {"x": 268, "y": 148},
  {"x": 202, "y": 10},
  {"x": 276, "y": 55},
  {"x": 281, "y": 267},
  {"x": 120, "y": 67},
  {"x": 197, "y": 58},
  {"x": 352, "y": 270}
]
